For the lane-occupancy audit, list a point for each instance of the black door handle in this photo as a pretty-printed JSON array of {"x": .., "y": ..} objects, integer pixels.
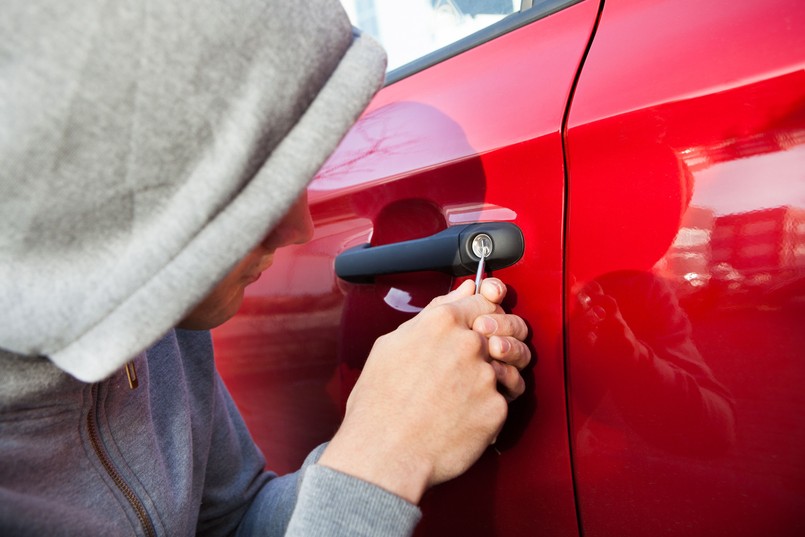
[{"x": 447, "y": 251}]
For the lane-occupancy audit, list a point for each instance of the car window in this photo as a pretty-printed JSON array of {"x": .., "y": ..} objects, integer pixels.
[{"x": 414, "y": 28}]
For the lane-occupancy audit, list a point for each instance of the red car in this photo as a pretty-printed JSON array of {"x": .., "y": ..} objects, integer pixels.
[{"x": 652, "y": 154}]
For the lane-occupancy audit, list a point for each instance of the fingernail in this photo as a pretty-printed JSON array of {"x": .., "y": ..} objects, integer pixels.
[
  {"x": 497, "y": 284},
  {"x": 584, "y": 299},
  {"x": 503, "y": 345},
  {"x": 488, "y": 325}
]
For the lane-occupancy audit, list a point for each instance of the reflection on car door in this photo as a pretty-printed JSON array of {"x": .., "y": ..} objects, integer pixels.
[
  {"x": 686, "y": 265},
  {"x": 476, "y": 137}
]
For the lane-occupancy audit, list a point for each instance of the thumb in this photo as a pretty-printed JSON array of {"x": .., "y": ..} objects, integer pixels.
[
  {"x": 464, "y": 309},
  {"x": 467, "y": 288}
]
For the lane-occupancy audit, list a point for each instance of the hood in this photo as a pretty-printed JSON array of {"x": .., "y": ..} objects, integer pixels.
[{"x": 146, "y": 147}]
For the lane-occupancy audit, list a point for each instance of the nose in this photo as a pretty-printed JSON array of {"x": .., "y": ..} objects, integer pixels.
[
  {"x": 302, "y": 221},
  {"x": 296, "y": 227}
]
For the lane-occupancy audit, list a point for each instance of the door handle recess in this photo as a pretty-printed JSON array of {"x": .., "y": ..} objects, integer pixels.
[{"x": 447, "y": 251}]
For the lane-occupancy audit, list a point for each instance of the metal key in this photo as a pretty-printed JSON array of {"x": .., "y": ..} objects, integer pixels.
[{"x": 481, "y": 247}]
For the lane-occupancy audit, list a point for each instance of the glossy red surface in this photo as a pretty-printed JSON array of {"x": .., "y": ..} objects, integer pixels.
[
  {"x": 449, "y": 145},
  {"x": 673, "y": 301},
  {"x": 686, "y": 270}
]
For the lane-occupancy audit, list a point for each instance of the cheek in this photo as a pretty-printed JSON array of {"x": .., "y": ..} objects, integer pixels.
[
  {"x": 230, "y": 290},
  {"x": 219, "y": 305}
]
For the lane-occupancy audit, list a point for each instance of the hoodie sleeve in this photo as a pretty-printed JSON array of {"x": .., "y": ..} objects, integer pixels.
[
  {"x": 335, "y": 504},
  {"x": 316, "y": 500}
]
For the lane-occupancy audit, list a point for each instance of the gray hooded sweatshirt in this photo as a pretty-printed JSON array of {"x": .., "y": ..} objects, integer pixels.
[{"x": 145, "y": 148}]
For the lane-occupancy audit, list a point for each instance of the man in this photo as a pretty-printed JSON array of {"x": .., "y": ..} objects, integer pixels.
[{"x": 155, "y": 156}]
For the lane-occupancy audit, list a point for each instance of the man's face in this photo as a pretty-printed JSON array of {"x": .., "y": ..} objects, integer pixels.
[{"x": 225, "y": 299}]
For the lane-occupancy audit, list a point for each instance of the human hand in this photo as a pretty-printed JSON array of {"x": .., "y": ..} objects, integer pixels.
[
  {"x": 427, "y": 404},
  {"x": 602, "y": 328},
  {"x": 505, "y": 333}
]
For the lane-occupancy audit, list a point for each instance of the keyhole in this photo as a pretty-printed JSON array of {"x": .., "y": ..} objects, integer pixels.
[{"x": 482, "y": 245}]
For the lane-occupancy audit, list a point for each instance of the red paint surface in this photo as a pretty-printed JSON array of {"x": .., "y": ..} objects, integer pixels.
[
  {"x": 685, "y": 230},
  {"x": 687, "y": 235},
  {"x": 446, "y": 146}
]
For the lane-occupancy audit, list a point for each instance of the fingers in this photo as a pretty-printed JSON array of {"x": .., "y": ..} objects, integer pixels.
[
  {"x": 597, "y": 306},
  {"x": 506, "y": 334},
  {"x": 493, "y": 290},
  {"x": 462, "y": 306},
  {"x": 467, "y": 288},
  {"x": 509, "y": 351},
  {"x": 508, "y": 377},
  {"x": 501, "y": 324}
]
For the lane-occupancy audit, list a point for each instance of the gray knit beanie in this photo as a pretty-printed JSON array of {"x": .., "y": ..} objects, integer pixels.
[{"x": 145, "y": 147}]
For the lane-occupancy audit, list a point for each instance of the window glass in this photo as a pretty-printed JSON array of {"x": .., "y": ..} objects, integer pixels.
[{"x": 410, "y": 29}]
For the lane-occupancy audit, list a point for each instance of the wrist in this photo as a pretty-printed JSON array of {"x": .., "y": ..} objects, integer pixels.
[{"x": 394, "y": 470}]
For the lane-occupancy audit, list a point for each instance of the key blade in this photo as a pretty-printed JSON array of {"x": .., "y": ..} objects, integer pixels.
[{"x": 480, "y": 273}]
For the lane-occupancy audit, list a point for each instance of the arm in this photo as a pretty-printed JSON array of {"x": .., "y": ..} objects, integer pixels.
[
  {"x": 410, "y": 424},
  {"x": 637, "y": 342},
  {"x": 416, "y": 422}
]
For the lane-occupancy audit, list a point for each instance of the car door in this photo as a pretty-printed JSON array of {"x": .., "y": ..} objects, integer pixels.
[
  {"x": 685, "y": 270},
  {"x": 471, "y": 133}
]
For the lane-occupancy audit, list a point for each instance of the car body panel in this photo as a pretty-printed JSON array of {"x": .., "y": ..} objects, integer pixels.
[
  {"x": 686, "y": 228},
  {"x": 446, "y": 146},
  {"x": 662, "y": 283}
]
